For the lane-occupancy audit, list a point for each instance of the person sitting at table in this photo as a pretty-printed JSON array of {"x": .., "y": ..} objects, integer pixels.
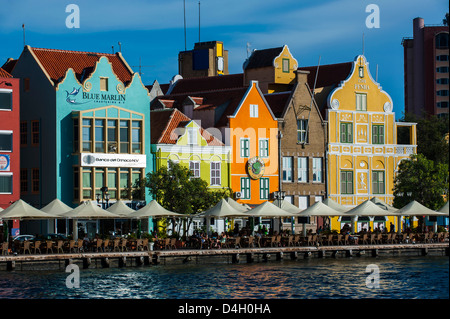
[{"x": 351, "y": 238}]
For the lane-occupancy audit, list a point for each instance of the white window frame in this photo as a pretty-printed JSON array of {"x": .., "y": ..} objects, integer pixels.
[
  {"x": 216, "y": 168},
  {"x": 288, "y": 168},
  {"x": 12, "y": 181},
  {"x": 263, "y": 147},
  {"x": 245, "y": 152},
  {"x": 245, "y": 191},
  {"x": 195, "y": 170},
  {"x": 192, "y": 136},
  {"x": 264, "y": 189},
  {"x": 317, "y": 169},
  {"x": 10, "y": 133},
  {"x": 302, "y": 171},
  {"x": 10, "y": 93},
  {"x": 361, "y": 102},
  {"x": 254, "y": 110}
]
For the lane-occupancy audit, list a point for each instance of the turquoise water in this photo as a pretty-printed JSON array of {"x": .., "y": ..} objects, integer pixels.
[{"x": 329, "y": 278}]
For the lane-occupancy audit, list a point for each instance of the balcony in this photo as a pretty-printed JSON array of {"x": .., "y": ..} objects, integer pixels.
[{"x": 405, "y": 150}]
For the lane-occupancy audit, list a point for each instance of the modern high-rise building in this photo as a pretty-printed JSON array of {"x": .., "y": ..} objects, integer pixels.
[{"x": 426, "y": 65}]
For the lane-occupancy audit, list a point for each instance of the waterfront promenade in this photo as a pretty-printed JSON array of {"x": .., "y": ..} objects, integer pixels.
[{"x": 105, "y": 259}]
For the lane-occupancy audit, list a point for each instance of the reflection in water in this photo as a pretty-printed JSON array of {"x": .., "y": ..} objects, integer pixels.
[{"x": 411, "y": 277}]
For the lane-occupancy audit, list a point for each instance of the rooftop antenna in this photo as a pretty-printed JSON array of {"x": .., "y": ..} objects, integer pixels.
[
  {"x": 120, "y": 47},
  {"x": 112, "y": 49},
  {"x": 310, "y": 104},
  {"x": 363, "y": 44},
  {"x": 140, "y": 66},
  {"x": 199, "y": 21},
  {"x": 376, "y": 75},
  {"x": 23, "y": 27},
  {"x": 184, "y": 13}
]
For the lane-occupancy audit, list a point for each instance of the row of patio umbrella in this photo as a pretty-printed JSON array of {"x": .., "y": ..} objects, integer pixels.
[
  {"x": 224, "y": 208},
  {"x": 87, "y": 210}
]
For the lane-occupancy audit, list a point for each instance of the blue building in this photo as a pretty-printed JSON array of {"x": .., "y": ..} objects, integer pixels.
[{"x": 85, "y": 123}]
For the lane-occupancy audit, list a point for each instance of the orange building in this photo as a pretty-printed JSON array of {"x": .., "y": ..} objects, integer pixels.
[{"x": 252, "y": 134}]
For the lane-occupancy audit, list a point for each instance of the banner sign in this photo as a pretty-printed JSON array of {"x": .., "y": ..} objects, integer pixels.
[
  {"x": 113, "y": 160},
  {"x": 4, "y": 163}
]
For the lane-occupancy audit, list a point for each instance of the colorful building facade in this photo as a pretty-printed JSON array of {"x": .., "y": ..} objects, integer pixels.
[
  {"x": 252, "y": 133},
  {"x": 177, "y": 138},
  {"x": 363, "y": 154},
  {"x": 89, "y": 117},
  {"x": 10, "y": 139}
]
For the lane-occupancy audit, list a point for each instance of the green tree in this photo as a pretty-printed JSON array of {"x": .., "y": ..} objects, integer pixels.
[
  {"x": 431, "y": 137},
  {"x": 177, "y": 190},
  {"x": 422, "y": 180}
]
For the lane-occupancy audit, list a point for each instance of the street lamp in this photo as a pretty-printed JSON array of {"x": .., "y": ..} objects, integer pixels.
[{"x": 104, "y": 196}]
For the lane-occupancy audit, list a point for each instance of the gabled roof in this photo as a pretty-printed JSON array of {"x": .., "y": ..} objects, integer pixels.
[
  {"x": 277, "y": 102},
  {"x": 262, "y": 58},
  {"x": 9, "y": 65},
  {"x": 329, "y": 75},
  {"x": 163, "y": 125},
  {"x": 228, "y": 99},
  {"x": 4, "y": 74},
  {"x": 56, "y": 63}
]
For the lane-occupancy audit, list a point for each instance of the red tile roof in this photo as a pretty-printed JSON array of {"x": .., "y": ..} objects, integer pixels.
[
  {"x": 57, "y": 62},
  {"x": 163, "y": 125},
  {"x": 4, "y": 74},
  {"x": 225, "y": 102}
]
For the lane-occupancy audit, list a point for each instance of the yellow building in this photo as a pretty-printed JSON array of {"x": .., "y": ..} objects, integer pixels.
[{"x": 363, "y": 154}]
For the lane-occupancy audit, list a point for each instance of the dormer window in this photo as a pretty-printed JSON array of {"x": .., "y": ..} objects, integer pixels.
[
  {"x": 361, "y": 71},
  {"x": 253, "y": 110},
  {"x": 103, "y": 84},
  {"x": 192, "y": 136},
  {"x": 286, "y": 65}
]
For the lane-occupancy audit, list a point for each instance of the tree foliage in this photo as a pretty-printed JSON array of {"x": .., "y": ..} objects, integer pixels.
[
  {"x": 422, "y": 180},
  {"x": 177, "y": 190},
  {"x": 431, "y": 137}
]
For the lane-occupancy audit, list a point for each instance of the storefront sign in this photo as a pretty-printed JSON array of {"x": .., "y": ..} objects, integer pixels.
[
  {"x": 113, "y": 160},
  {"x": 255, "y": 167},
  {"x": 4, "y": 163}
]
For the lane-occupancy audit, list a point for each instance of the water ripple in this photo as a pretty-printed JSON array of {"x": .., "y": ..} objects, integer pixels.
[{"x": 406, "y": 278}]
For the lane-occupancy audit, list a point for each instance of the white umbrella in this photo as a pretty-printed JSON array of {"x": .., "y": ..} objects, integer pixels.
[
  {"x": 444, "y": 209},
  {"x": 368, "y": 208},
  {"x": 320, "y": 209},
  {"x": 120, "y": 208},
  {"x": 153, "y": 209},
  {"x": 267, "y": 209},
  {"x": 237, "y": 206},
  {"x": 222, "y": 209},
  {"x": 89, "y": 210},
  {"x": 286, "y": 206},
  {"x": 21, "y": 210},
  {"x": 336, "y": 206},
  {"x": 383, "y": 205},
  {"x": 56, "y": 207},
  {"x": 416, "y": 209}
]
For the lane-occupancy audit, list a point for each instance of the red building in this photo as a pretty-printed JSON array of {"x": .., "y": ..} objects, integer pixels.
[
  {"x": 426, "y": 67},
  {"x": 9, "y": 139}
]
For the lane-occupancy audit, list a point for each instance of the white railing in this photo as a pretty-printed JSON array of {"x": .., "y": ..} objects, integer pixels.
[{"x": 406, "y": 150}]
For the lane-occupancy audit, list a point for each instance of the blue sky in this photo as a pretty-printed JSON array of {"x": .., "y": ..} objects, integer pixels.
[{"x": 153, "y": 31}]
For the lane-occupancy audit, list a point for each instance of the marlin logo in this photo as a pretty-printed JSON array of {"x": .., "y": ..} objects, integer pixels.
[{"x": 73, "y": 94}]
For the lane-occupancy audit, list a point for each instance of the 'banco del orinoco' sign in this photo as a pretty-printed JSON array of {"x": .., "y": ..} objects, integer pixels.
[{"x": 113, "y": 160}]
